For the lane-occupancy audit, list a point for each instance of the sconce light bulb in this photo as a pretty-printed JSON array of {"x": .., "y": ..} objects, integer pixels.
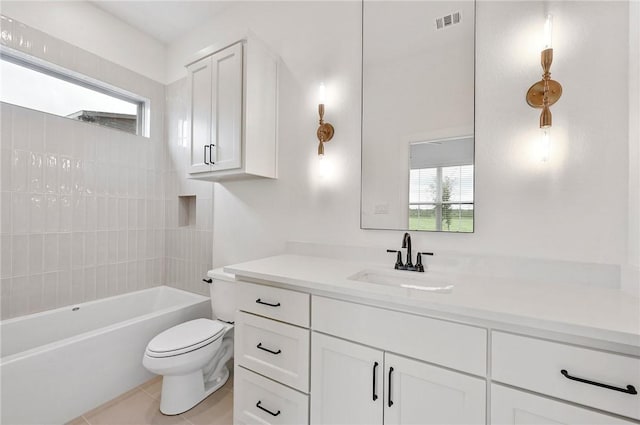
[
  {"x": 545, "y": 143},
  {"x": 322, "y": 94},
  {"x": 548, "y": 32}
]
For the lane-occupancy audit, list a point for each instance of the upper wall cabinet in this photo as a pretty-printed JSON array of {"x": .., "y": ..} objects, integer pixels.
[{"x": 233, "y": 112}]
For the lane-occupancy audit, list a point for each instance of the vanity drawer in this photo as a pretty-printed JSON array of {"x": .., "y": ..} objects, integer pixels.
[
  {"x": 273, "y": 349},
  {"x": 275, "y": 303},
  {"x": 513, "y": 407},
  {"x": 536, "y": 365},
  {"x": 449, "y": 344},
  {"x": 259, "y": 400}
]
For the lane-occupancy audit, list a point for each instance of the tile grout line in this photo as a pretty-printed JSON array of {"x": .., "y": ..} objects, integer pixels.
[
  {"x": 188, "y": 422},
  {"x": 149, "y": 394}
]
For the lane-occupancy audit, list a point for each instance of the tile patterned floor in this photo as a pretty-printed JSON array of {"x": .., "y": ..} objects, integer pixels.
[{"x": 141, "y": 406}]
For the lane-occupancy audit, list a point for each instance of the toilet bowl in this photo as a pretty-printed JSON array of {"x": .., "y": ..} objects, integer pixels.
[{"x": 192, "y": 356}]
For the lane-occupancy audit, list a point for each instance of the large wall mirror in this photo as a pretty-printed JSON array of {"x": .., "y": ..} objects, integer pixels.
[{"x": 418, "y": 115}]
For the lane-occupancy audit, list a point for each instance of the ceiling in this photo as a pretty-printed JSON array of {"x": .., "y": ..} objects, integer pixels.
[{"x": 163, "y": 20}]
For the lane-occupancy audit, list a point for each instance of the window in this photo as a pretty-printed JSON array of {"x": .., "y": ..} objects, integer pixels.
[
  {"x": 441, "y": 198},
  {"x": 33, "y": 84}
]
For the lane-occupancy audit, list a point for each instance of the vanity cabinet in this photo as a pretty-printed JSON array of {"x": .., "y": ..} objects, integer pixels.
[
  {"x": 356, "y": 384},
  {"x": 232, "y": 112},
  {"x": 271, "y": 351},
  {"x": 336, "y": 358},
  {"x": 389, "y": 377}
]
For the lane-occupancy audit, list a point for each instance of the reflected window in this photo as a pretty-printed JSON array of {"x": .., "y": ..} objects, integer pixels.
[{"x": 441, "y": 199}]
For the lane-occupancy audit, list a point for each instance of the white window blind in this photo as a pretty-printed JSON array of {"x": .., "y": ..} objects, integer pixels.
[{"x": 441, "y": 198}]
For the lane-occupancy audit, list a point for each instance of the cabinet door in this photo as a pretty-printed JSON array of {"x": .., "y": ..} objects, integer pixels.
[
  {"x": 200, "y": 74},
  {"x": 346, "y": 382},
  {"x": 226, "y": 109},
  {"x": 419, "y": 393},
  {"x": 512, "y": 407}
]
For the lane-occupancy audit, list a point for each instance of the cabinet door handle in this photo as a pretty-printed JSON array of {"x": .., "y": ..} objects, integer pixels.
[
  {"x": 390, "y": 372},
  {"x": 629, "y": 390},
  {"x": 375, "y": 395},
  {"x": 205, "y": 154},
  {"x": 266, "y": 410},
  {"x": 267, "y": 350},
  {"x": 259, "y": 301},
  {"x": 210, "y": 152}
]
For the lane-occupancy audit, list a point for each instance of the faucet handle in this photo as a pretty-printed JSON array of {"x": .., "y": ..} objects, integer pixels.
[
  {"x": 419, "y": 265},
  {"x": 398, "y": 258}
]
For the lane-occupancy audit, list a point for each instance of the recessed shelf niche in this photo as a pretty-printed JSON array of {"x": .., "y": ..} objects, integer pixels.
[{"x": 186, "y": 211}]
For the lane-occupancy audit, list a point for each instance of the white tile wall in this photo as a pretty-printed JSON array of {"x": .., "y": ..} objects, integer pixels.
[
  {"x": 82, "y": 207},
  {"x": 188, "y": 248},
  {"x": 88, "y": 212}
]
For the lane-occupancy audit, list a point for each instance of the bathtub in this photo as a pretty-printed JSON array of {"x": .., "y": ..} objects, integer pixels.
[{"x": 58, "y": 364}]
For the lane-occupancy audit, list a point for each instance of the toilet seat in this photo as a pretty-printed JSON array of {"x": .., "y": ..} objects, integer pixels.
[{"x": 184, "y": 338}]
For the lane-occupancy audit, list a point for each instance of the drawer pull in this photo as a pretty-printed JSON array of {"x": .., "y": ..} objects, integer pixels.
[
  {"x": 259, "y": 301},
  {"x": 629, "y": 390},
  {"x": 375, "y": 366},
  {"x": 266, "y": 410},
  {"x": 267, "y": 350},
  {"x": 390, "y": 372}
]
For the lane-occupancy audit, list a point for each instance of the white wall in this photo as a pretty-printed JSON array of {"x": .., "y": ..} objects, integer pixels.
[
  {"x": 631, "y": 276},
  {"x": 85, "y": 26},
  {"x": 572, "y": 208}
]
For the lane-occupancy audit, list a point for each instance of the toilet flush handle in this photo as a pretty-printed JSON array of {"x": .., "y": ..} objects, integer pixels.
[{"x": 209, "y": 281}]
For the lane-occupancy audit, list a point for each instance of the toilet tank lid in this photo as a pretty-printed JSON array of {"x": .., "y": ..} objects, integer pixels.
[{"x": 186, "y": 334}]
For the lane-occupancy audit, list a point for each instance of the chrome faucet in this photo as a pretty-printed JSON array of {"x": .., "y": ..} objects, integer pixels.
[{"x": 406, "y": 243}]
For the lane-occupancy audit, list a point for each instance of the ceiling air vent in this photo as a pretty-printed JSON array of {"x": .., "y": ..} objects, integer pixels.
[{"x": 448, "y": 20}]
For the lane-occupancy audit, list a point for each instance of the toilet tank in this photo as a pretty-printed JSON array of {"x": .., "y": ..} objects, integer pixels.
[{"x": 223, "y": 295}]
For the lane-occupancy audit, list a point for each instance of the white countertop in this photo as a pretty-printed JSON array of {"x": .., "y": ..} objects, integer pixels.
[{"x": 598, "y": 313}]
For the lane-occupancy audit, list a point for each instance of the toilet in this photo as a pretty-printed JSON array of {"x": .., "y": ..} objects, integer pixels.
[{"x": 192, "y": 356}]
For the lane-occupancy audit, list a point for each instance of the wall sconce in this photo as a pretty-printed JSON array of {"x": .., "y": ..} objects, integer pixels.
[
  {"x": 545, "y": 92},
  {"x": 325, "y": 130}
]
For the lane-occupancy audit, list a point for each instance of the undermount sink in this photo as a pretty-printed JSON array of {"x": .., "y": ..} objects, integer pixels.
[{"x": 403, "y": 279}]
